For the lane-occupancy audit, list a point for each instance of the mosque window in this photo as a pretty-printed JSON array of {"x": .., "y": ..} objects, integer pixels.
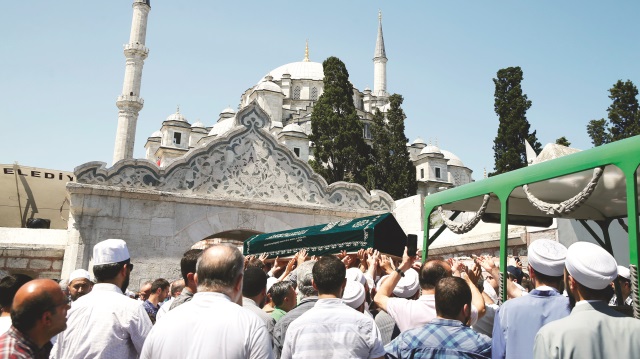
[
  {"x": 296, "y": 93},
  {"x": 296, "y": 150},
  {"x": 366, "y": 131},
  {"x": 438, "y": 172},
  {"x": 422, "y": 173},
  {"x": 314, "y": 94},
  {"x": 177, "y": 136}
]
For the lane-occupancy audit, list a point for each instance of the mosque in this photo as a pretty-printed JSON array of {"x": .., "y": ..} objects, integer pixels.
[{"x": 287, "y": 94}]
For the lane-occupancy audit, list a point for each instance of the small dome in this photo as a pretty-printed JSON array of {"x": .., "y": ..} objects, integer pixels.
[
  {"x": 156, "y": 134},
  {"x": 268, "y": 86},
  {"x": 419, "y": 141},
  {"x": 453, "y": 159},
  {"x": 293, "y": 127},
  {"x": 198, "y": 124},
  {"x": 228, "y": 110},
  {"x": 430, "y": 149},
  {"x": 176, "y": 117}
]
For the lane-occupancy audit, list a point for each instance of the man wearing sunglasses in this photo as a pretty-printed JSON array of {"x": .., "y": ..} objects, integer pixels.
[{"x": 105, "y": 323}]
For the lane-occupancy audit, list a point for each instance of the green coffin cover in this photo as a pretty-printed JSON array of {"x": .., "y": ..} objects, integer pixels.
[{"x": 381, "y": 232}]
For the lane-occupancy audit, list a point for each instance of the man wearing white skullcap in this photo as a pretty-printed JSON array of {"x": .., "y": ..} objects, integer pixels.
[
  {"x": 105, "y": 323},
  {"x": 518, "y": 320},
  {"x": 624, "y": 282},
  {"x": 593, "y": 329},
  {"x": 353, "y": 295},
  {"x": 79, "y": 284}
]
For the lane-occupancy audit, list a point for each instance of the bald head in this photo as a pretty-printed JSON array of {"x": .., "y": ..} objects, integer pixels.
[
  {"x": 219, "y": 268},
  {"x": 40, "y": 306},
  {"x": 432, "y": 271}
]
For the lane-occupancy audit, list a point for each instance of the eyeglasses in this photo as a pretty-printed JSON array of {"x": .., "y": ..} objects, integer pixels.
[{"x": 130, "y": 265}]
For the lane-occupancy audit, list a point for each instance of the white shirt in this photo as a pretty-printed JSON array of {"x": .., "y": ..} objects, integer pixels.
[
  {"x": 410, "y": 314},
  {"x": 164, "y": 308},
  {"x": 331, "y": 329},
  {"x": 103, "y": 324},
  {"x": 208, "y": 326},
  {"x": 5, "y": 324}
]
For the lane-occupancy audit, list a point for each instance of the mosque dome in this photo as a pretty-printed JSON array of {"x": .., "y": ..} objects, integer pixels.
[
  {"x": 176, "y": 117},
  {"x": 431, "y": 149},
  {"x": 419, "y": 141},
  {"x": 306, "y": 70},
  {"x": 453, "y": 159},
  {"x": 198, "y": 124},
  {"x": 156, "y": 134},
  {"x": 268, "y": 85},
  {"x": 293, "y": 127}
]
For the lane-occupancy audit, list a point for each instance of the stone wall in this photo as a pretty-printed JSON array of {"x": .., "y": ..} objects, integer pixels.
[{"x": 35, "y": 252}]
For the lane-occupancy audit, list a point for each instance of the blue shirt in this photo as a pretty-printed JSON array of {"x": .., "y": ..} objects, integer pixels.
[
  {"x": 518, "y": 320},
  {"x": 440, "y": 338},
  {"x": 151, "y": 309}
]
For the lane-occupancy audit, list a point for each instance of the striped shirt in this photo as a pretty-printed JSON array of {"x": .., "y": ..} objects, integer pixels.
[{"x": 331, "y": 329}]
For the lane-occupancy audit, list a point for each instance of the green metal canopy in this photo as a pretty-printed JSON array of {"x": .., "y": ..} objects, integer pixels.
[{"x": 381, "y": 232}]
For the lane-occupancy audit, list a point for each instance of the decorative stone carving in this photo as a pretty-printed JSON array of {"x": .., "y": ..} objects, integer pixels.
[{"x": 247, "y": 163}]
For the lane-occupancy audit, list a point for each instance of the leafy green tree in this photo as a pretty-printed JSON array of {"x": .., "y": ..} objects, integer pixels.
[
  {"x": 391, "y": 166},
  {"x": 624, "y": 116},
  {"x": 597, "y": 130},
  {"x": 511, "y": 106},
  {"x": 340, "y": 150},
  {"x": 563, "y": 141},
  {"x": 623, "y": 112}
]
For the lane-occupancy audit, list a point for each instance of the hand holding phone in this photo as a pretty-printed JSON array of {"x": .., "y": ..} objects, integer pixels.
[{"x": 412, "y": 245}]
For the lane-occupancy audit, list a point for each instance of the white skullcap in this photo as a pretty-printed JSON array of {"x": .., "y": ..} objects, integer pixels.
[
  {"x": 547, "y": 257},
  {"x": 355, "y": 275},
  {"x": 407, "y": 286},
  {"x": 624, "y": 272},
  {"x": 110, "y": 251},
  {"x": 353, "y": 295},
  {"x": 79, "y": 273},
  {"x": 590, "y": 265},
  {"x": 271, "y": 281}
]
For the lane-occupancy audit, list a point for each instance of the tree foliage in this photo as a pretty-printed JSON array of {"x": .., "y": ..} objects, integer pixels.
[
  {"x": 340, "y": 151},
  {"x": 391, "y": 168},
  {"x": 623, "y": 113},
  {"x": 511, "y": 106},
  {"x": 597, "y": 130},
  {"x": 563, "y": 141}
]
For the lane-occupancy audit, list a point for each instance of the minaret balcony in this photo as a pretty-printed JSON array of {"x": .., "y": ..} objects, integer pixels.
[
  {"x": 130, "y": 101},
  {"x": 136, "y": 49}
]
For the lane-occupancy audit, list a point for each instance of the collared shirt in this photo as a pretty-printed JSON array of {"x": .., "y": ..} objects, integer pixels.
[
  {"x": 103, "y": 324},
  {"x": 519, "y": 319},
  {"x": 440, "y": 338},
  {"x": 184, "y": 297},
  {"x": 280, "y": 328},
  {"x": 614, "y": 300},
  {"x": 331, "y": 329},
  {"x": 277, "y": 314},
  {"x": 409, "y": 314},
  {"x": 151, "y": 310},
  {"x": 15, "y": 345},
  {"x": 210, "y": 325}
]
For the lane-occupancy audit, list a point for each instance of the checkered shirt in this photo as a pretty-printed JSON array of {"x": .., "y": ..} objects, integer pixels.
[
  {"x": 440, "y": 338},
  {"x": 14, "y": 345}
]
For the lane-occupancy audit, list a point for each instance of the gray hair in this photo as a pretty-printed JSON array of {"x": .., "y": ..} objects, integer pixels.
[{"x": 304, "y": 278}]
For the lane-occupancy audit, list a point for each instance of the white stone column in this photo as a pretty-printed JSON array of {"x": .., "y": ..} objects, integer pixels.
[{"x": 130, "y": 103}]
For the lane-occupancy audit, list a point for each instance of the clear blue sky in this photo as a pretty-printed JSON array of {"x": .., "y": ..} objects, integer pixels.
[{"x": 62, "y": 67}]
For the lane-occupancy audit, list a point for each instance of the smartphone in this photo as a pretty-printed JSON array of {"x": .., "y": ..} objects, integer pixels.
[{"x": 412, "y": 245}]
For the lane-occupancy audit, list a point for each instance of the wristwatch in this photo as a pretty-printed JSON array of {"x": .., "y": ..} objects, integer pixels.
[{"x": 400, "y": 272}]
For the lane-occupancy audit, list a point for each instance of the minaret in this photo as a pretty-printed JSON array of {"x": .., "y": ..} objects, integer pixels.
[
  {"x": 380, "y": 64},
  {"x": 130, "y": 102}
]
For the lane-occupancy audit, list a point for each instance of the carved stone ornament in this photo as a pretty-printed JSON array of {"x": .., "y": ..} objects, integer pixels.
[{"x": 245, "y": 163}]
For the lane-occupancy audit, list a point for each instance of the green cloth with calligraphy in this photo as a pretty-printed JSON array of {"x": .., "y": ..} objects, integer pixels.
[{"x": 381, "y": 232}]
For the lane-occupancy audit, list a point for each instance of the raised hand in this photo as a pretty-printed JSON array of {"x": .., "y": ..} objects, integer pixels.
[{"x": 301, "y": 256}]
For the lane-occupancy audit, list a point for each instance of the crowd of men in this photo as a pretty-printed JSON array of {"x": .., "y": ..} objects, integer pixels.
[{"x": 362, "y": 305}]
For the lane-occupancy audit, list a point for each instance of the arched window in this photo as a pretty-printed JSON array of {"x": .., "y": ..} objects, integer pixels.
[
  {"x": 296, "y": 93},
  {"x": 314, "y": 94}
]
